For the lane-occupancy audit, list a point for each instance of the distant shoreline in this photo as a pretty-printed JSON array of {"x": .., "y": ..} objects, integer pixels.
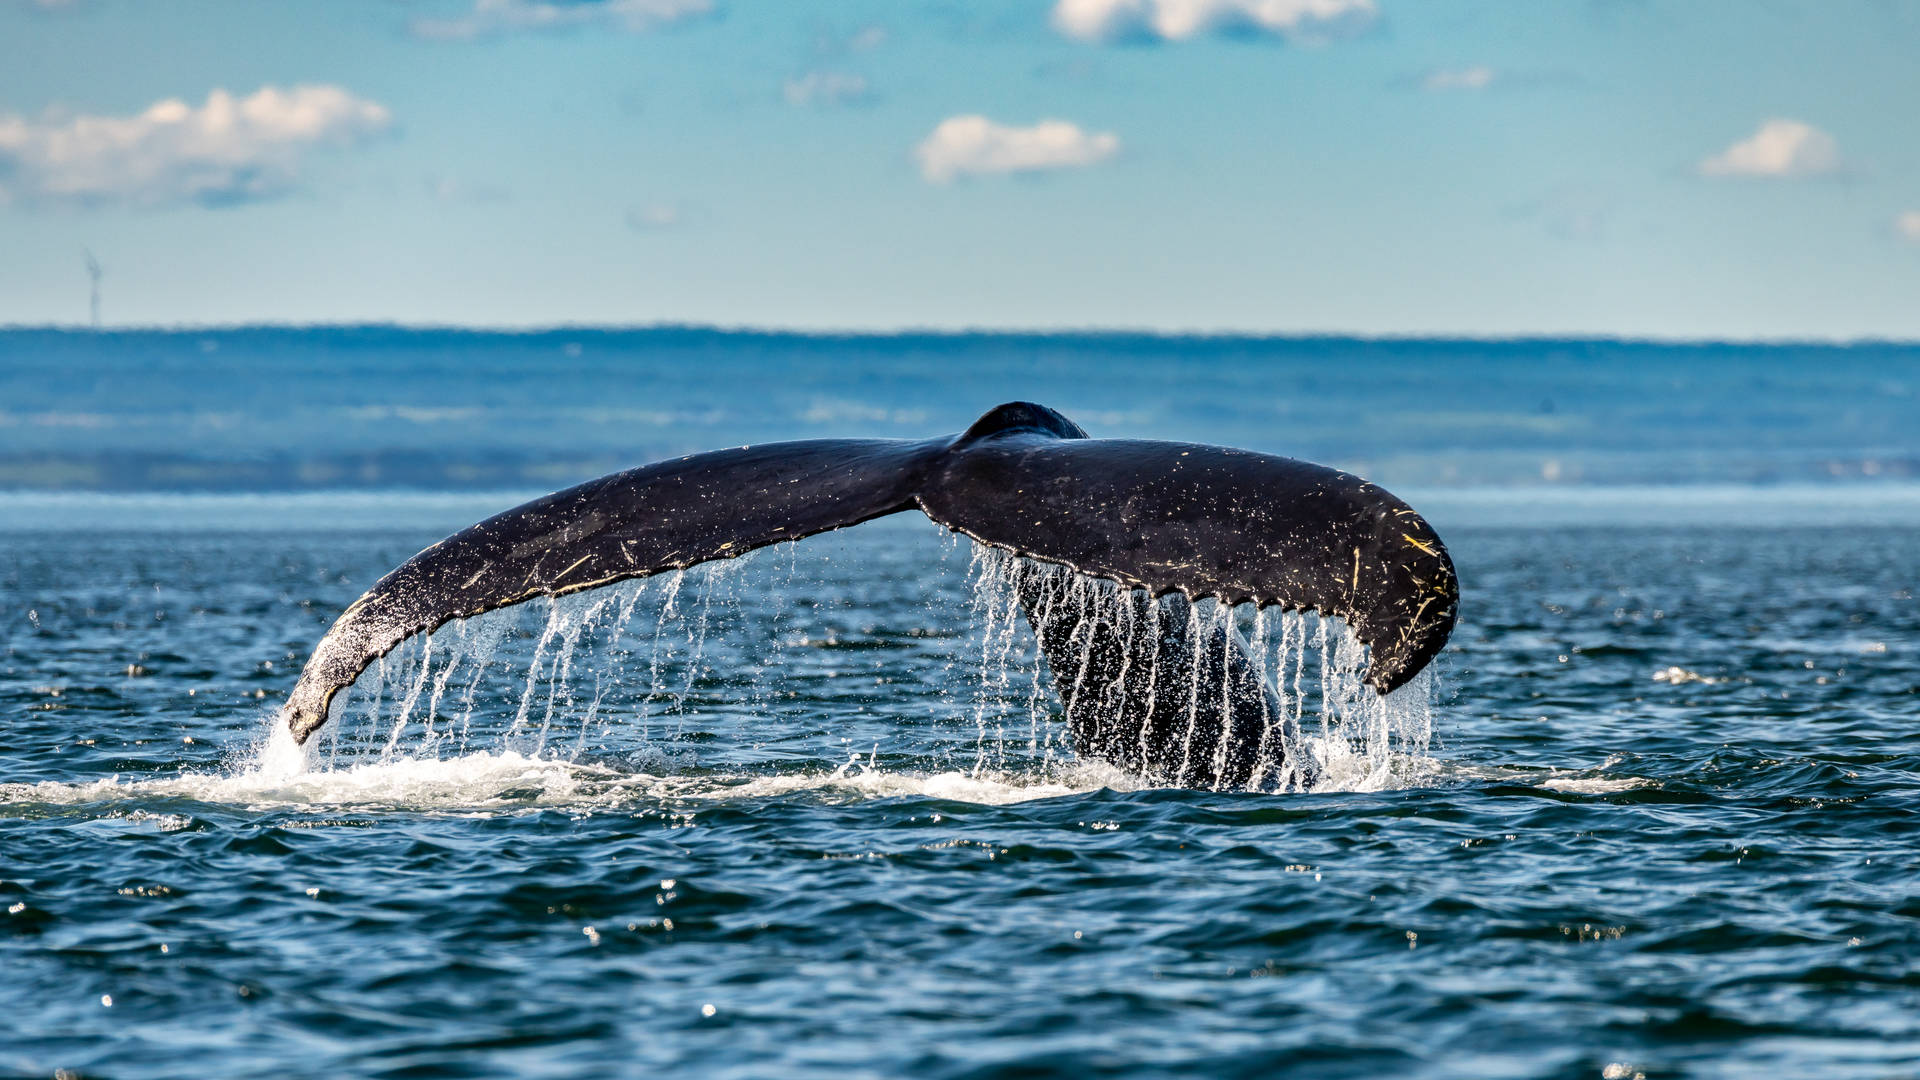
[
  {"x": 1891, "y": 503},
  {"x": 899, "y": 334}
]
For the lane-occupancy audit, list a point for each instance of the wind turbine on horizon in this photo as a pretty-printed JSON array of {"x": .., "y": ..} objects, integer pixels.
[{"x": 94, "y": 273}]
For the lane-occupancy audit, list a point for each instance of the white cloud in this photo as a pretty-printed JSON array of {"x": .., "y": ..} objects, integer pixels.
[
  {"x": 1908, "y": 225},
  {"x": 229, "y": 150},
  {"x": 1779, "y": 148},
  {"x": 1467, "y": 78},
  {"x": 976, "y": 145},
  {"x": 1177, "y": 20},
  {"x": 490, "y": 17},
  {"x": 825, "y": 88}
]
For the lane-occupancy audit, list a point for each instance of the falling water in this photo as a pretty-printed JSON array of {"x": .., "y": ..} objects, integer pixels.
[
  {"x": 564, "y": 678},
  {"x": 1328, "y": 729},
  {"x": 542, "y": 678}
]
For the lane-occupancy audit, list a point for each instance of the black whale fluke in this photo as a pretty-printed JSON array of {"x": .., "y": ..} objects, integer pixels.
[{"x": 1164, "y": 517}]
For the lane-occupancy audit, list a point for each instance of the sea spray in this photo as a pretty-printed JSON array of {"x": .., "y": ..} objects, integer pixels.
[{"x": 574, "y": 677}]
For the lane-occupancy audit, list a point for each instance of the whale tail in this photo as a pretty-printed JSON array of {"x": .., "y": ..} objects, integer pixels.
[{"x": 1158, "y": 516}]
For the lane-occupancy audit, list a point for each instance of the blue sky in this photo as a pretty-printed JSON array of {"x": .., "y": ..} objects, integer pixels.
[{"x": 1628, "y": 167}]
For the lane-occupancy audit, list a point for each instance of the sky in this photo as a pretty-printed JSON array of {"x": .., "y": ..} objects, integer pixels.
[{"x": 1639, "y": 168}]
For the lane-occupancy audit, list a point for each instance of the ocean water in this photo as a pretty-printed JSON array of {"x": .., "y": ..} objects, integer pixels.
[
  {"x": 1654, "y": 812},
  {"x": 319, "y": 408},
  {"x": 811, "y": 814}
]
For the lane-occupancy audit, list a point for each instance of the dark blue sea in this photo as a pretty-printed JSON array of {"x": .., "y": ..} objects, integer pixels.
[{"x": 813, "y": 812}]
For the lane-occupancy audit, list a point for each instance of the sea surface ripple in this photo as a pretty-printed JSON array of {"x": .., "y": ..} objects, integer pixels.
[{"x": 1667, "y": 825}]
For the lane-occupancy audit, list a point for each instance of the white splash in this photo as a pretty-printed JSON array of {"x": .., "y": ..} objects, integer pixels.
[
  {"x": 473, "y": 781},
  {"x": 277, "y": 755},
  {"x": 988, "y": 789},
  {"x": 508, "y": 781}
]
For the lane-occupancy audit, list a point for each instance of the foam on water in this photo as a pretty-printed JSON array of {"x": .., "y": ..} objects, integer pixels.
[
  {"x": 990, "y": 789},
  {"x": 280, "y": 777},
  {"x": 1594, "y": 785},
  {"x": 476, "y": 781},
  {"x": 509, "y": 781}
]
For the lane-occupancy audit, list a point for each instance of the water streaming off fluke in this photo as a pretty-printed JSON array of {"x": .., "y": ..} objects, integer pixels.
[{"x": 641, "y": 676}]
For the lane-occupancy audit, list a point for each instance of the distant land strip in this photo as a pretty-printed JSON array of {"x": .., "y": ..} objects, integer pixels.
[{"x": 427, "y": 471}]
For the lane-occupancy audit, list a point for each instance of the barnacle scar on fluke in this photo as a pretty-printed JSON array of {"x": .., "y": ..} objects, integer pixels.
[{"x": 1153, "y": 517}]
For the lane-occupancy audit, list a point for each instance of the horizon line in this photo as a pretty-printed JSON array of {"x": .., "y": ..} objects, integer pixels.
[{"x": 983, "y": 331}]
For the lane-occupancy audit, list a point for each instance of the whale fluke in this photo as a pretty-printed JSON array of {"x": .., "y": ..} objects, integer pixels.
[
  {"x": 1159, "y": 516},
  {"x": 665, "y": 516}
]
